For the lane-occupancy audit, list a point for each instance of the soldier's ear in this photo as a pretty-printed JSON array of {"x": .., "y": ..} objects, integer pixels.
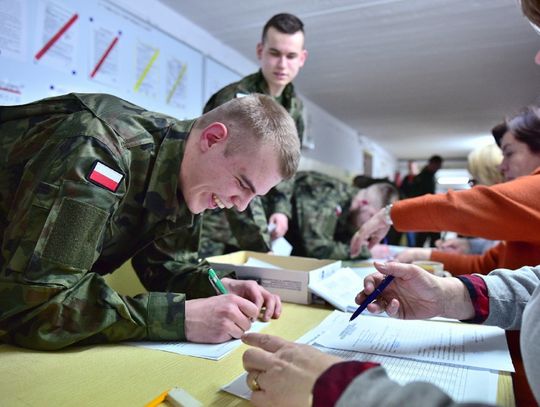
[
  {"x": 212, "y": 135},
  {"x": 260, "y": 47}
]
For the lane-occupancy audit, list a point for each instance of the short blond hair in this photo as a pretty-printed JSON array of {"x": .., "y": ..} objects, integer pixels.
[
  {"x": 483, "y": 163},
  {"x": 254, "y": 121}
]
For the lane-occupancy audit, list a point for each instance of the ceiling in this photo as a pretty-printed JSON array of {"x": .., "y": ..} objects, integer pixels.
[{"x": 420, "y": 77}]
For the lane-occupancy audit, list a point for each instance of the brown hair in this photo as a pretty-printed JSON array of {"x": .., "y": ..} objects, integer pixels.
[
  {"x": 525, "y": 126},
  {"x": 531, "y": 9}
]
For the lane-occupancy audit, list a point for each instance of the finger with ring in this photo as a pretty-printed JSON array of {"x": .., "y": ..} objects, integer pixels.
[{"x": 252, "y": 381}]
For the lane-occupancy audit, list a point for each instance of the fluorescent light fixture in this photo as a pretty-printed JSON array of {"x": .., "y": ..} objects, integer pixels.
[{"x": 452, "y": 180}]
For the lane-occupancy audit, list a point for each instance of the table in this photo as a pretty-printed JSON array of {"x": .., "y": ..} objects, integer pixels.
[{"x": 123, "y": 375}]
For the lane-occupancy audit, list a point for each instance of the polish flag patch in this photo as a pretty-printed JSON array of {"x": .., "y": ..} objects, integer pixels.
[{"x": 105, "y": 176}]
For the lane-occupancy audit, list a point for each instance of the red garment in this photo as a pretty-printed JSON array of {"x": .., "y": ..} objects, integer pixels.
[
  {"x": 332, "y": 383},
  {"x": 509, "y": 211},
  {"x": 479, "y": 296}
]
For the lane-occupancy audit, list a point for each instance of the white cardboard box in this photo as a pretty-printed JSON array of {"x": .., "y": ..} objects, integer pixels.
[{"x": 290, "y": 277}]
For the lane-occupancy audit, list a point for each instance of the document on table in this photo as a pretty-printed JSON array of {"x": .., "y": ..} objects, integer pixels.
[
  {"x": 339, "y": 289},
  {"x": 431, "y": 341},
  {"x": 199, "y": 350},
  {"x": 463, "y": 384}
]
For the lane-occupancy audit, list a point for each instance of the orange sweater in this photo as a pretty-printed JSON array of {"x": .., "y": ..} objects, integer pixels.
[{"x": 509, "y": 211}]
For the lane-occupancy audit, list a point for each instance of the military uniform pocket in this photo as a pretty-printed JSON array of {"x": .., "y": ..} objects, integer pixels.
[
  {"x": 23, "y": 233},
  {"x": 75, "y": 235}
]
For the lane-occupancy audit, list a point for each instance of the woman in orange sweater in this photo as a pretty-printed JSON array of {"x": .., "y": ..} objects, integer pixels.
[{"x": 509, "y": 211}]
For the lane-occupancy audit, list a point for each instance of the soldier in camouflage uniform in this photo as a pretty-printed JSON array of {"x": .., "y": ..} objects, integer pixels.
[
  {"x": 327, "y": 212},
  {"x": 88, "y": 181},
  {"x": 281, "y": 53}
]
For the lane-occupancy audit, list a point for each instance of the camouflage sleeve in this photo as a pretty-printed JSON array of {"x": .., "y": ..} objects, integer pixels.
[
  {"x": 317, "y": 210},
  {"x": 299, "y": 119},
  {"x": 278, "y": 199},
  {"x": 250, "y": 227},
  {"x": 318, "y": 239},
  {"x": 161, "y": 266},
  {"x": 49, "y": 298}
]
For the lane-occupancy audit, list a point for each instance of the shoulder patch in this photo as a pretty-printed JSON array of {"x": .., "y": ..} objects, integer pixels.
[{"x": 105, "y": 176}]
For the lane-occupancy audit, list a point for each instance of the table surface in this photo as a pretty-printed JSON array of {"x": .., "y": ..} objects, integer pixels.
[{"x": 123, "y": 375}]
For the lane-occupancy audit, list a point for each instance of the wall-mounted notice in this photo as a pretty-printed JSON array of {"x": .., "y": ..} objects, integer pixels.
[
  {"x": 217, "y": 76},
  {"x": 51, "y": 47}
]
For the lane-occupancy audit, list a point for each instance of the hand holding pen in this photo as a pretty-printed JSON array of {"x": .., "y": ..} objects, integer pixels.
[
  {"x": 269, "y": 304},
  {"x": 372, "y": 297},
  {"x": 414, "y": 293}
]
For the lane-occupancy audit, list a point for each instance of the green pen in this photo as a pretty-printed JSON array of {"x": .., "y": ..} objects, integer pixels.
[{"x": 216, "y": 282}]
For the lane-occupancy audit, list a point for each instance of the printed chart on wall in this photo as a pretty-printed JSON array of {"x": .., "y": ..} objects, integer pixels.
[{"x": 95, "y": 46}]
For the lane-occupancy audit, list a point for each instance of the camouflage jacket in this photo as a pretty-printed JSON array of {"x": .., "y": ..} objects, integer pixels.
[
  {"x": 319, "y": 226},
  {"x": 87, "y": 181},
  {"x": 254, "y": 234},
  {"x": 255, "y": 83}
]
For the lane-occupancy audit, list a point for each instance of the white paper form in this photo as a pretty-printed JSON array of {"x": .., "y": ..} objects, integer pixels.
[
  {"x": 432, "y": 341},
  {"x": 200, "y": 350},
  {"x": 339, "y": 289},
  {"x": 463, "y": 384}
]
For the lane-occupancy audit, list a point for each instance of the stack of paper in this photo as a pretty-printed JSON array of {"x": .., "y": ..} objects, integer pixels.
[{"x": 461, "y": 359}]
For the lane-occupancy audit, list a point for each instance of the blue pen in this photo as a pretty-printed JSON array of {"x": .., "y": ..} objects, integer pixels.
[{"x": 371, "y": 297}]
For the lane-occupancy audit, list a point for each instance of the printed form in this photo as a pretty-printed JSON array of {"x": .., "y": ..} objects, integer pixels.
[
  {"x": 431, "y": 341},
  {"x": 462, "y": 383}
]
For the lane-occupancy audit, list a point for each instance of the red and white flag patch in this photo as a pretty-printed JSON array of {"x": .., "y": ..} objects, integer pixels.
[{"x": 105, "y": 176}]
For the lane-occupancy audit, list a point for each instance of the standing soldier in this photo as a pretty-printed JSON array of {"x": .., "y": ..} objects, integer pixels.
[{"x": 281, "y": 54}]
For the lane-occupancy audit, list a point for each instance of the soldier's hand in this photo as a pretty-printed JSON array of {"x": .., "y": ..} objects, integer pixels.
[
  {"x": 281, "y": 223},
  {"x": 264, "y": 300},
  {"x": 218, "y": 319}
]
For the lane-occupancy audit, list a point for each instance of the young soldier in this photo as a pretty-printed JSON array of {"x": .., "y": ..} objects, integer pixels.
[
  {"x": 281, "y": 54},
  {"x": 88, "y": 181}
]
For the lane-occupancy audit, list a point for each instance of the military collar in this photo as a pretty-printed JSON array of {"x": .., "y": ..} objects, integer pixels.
[
  {"x": 262, "y": 86},
  {"x": 163, "y": 197}
]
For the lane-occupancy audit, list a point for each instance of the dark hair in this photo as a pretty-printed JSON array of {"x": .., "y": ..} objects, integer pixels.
[
  {"x": 285, "y": 23},
  {"x": 525, "y": 126},
  {"x": 435, "y": 159},
  {"x": 531, "y": 9},
  {"x": 499, "y": 131}
]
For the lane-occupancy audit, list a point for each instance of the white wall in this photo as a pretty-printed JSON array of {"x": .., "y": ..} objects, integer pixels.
[{"x": 337, "y": 148}]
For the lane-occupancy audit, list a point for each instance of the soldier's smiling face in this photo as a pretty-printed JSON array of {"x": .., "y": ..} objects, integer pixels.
[{"x": 213, "y": 179}]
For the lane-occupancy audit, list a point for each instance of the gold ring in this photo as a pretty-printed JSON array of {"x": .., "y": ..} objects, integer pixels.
[{"x": 253, "y": 384}]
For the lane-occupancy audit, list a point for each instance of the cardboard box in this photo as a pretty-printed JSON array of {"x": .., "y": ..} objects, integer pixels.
[{"x": 289, "y": 277}]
